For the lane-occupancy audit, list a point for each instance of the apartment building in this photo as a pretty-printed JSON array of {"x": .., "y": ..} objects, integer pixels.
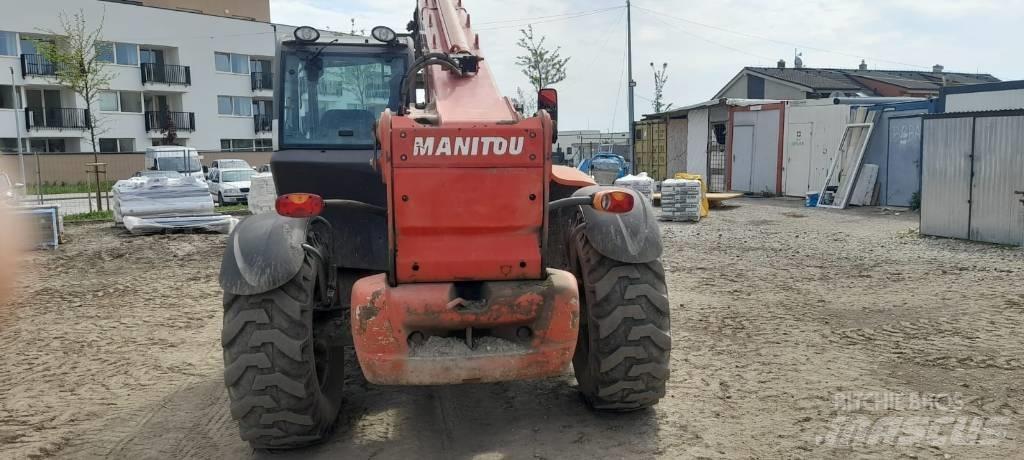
[{"x": 210, "y": 76}]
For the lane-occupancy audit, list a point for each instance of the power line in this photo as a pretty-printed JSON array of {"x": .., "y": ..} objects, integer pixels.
[
  {"x": 783, "y": 42},
  {"x": 607, "y": 36},
  {"x": 550, "y": 16},
  {"x": 680, "y": 29},
  {"x": 579, "y": 15},
  {"x": 618, "y": 93}
]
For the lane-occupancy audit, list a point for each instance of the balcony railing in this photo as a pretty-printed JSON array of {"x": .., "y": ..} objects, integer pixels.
[
  {"x": 158, "y": 121},
  {"x": 264, "y": 123},
  {"x": 262, "y": 81},
  {"x": 165, "y": 73},
  {"x": 56, "y": 118},
  {"x": 37, "y": 64}
]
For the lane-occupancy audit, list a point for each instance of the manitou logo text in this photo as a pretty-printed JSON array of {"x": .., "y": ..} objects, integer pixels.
[{"x": 467, "y": 146}]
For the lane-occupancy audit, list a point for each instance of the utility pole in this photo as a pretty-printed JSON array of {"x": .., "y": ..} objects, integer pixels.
[
  {"x": 632, "y": 84},
  {"x": 17, "y": 128}
]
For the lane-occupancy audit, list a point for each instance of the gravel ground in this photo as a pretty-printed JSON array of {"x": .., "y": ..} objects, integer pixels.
[{"x": 792, "y": 330}]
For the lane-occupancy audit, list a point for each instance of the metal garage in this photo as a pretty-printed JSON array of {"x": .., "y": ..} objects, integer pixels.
[
  {"x": 972, "y": 182},
  {"x": 895, "y": 146}
]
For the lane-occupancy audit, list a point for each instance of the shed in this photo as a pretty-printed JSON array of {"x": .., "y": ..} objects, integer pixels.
[
  {"x": 972, "y": 176},
  {"x": 754, "y": 144},
  {"x": 1008, "y": 95},
  {"x": 651, "y": 148},
  {"x": 895, "y": 146},
  {"x": 813, "y": 131}
]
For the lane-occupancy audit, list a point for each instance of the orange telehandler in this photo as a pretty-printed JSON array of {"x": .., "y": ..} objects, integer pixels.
[{"x": 419, "y": 212}]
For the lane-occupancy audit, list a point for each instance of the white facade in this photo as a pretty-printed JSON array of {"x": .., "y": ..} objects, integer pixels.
[
  {"x": 186, "y": 78},
  {"x": 814, "y": 129}
]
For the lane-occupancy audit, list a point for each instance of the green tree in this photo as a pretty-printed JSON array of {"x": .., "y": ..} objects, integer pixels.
[
  {"x": 542, "y": 66},
  {"x": 74, "y": 53},
  {"x": 525, "y": 105},
  {"x": 660, "y": 77}
]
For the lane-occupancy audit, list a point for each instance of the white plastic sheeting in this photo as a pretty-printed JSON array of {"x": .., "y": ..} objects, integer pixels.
[
  {"x": 262, "y": 194},
  {"x": 215, "y": 223},
  {"x": 161, "y": 197},
  {"x": 639, "y": 183}
]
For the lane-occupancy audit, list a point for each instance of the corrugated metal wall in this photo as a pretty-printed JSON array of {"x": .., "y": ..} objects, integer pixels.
[
  {"x": 973, "y": 177},
  {"x": 997, "y": 213},
  {"x": 755, "y": 159},
  {"x": 946, "y": 177},
  {"x": 895, "y": 146},
  {"x": 678, "y": 135}
]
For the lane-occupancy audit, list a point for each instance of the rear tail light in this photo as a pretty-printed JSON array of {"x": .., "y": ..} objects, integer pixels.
[
  {"x": 616, "y": 201},
  {"x": 299, "y": 205}
]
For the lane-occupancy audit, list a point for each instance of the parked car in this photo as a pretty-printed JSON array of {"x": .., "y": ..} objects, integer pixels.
[
  {"x": 263, "y": 169},
  {"x": 185, "y": 160},
  {"x": 227, "y": 163},
  {"x": 230, "y": 185},
  {"x": 167, "y": 174}
]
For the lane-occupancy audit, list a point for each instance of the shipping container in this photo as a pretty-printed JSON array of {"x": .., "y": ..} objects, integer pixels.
[
  {"x": 972, "y": 183},
  {"x": 1007, "y": 95},
  {"x": 651, "y": 148},
  {"x": 814, "y": 129}
]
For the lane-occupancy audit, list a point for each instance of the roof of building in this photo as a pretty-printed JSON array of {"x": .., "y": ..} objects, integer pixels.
[{"x": 823, "y": 80}]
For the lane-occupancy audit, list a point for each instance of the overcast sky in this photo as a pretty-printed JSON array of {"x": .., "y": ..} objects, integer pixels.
[{"x": 706, "y": 43}]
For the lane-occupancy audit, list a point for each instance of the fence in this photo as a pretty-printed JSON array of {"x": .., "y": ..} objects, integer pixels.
[{"x": 66, "y": 178}]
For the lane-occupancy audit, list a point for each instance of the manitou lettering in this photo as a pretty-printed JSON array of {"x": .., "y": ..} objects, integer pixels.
[{"x": 467, "y": 146}]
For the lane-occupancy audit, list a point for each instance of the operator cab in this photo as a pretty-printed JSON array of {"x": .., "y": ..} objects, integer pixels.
[{"x": 330, "y": 93}]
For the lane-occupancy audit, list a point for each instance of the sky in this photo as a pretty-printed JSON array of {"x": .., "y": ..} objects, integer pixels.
[{"x": 705, "y": 43}]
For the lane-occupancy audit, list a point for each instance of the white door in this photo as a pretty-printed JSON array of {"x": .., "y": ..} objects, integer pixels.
[
  {"x": 742, "y": 157},
  {"x": 796, "y": 172}
]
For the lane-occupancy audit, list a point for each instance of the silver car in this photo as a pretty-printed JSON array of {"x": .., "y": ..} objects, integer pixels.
[{"x": 230, "y": 186}]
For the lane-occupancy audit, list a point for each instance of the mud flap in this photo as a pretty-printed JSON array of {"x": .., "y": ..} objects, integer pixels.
[
  {"x": 633, "y": 237},
  {"x": 263, "y": 253}
]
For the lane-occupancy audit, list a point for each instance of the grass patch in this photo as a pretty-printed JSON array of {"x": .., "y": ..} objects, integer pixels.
[
  {"x": 56, "y": 188},
  {"x": 233, "y": 209},
  {"x": 95, "y": 216}
]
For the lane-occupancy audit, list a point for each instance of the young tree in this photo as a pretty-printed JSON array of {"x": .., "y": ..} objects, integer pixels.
[
  {"x": 660, "y": 77},
  {"x": 542, "y": 66},
  {"x": 74, "y": 54},
  {"x": 525, "y": 105}
]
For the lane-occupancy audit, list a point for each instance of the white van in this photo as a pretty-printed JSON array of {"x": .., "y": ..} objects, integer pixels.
[{"x": 185, "y": 160}]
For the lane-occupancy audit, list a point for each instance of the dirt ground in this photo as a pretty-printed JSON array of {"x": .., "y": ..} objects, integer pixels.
[{"x": 792, "y": 329}]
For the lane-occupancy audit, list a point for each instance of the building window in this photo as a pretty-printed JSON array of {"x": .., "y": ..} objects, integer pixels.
[
  {"x": 9, "y": 144},
  {"x": 8, "y": 44},
  {"x": 118, "y": 53},
  {"x": 241, "y": 145},
  {"x": 234, "y": 105},
  {"x": 231, "y": 63},
  {"x": 117, "y": 145},
  {"x": 121, "y": 101},
  {"x": 264, "y": 145},
  {"x": 8, "y": 98},
  {"x": 48, "y": 145}
]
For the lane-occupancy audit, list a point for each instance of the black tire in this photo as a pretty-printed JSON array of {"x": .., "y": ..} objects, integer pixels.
[
  {"x": 622, "y": 354},
  {"x": 284, "y": 378},
  {"x": 220, "y": 199}
]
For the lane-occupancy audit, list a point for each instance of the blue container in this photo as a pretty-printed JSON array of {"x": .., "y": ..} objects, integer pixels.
[{"x": 812, "y": 200}]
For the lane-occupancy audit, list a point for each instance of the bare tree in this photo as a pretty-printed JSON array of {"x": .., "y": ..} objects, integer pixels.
[
  {"x": 660, "y": 77},
  {"x": 75, "y": 56},
  {"x": 542, "y": 66}
]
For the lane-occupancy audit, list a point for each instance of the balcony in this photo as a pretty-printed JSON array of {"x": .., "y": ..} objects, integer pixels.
[
  {"x": 262, "y": 81},
  {"x": 264, "y": 123},
  {"x": 37, "y": 64},
  {"x": 158, "y": 121},
  {"x": 167, "y": 74},
  {"x": 56, "y": 118}
]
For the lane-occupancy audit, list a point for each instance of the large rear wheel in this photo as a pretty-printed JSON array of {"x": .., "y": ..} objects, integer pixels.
[
  {"x": 282, "y": 365},
  {"x": 622, "y": 354}
]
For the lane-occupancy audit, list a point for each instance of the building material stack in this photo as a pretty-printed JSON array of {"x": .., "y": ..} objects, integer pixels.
[
  {"x": 157, "y": 204},
  {"x": 262, "y": 194},
  {"x": 680, "y": 200}
]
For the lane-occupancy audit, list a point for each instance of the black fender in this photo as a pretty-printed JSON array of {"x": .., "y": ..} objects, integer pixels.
[
  {"x": 633, "y": 237},
  {"x": 263, "y": 253}
]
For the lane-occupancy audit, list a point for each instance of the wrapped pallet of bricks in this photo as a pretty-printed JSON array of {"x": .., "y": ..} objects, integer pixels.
[
  {"x": 639, "y": 183},
  {"x": 262, "y": 194},
  {"x": 680, "y": 200}
]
